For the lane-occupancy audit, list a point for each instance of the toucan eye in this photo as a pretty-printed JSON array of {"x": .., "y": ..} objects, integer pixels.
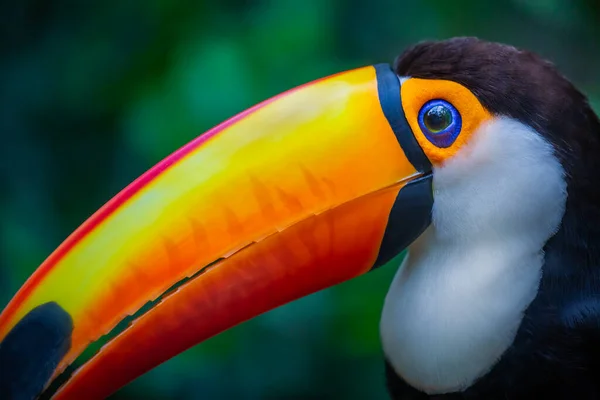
[{"x": 440, "y": 122}]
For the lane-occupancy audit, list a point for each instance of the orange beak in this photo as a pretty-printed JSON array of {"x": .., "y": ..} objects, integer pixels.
[{"x": 303, "y": 191}]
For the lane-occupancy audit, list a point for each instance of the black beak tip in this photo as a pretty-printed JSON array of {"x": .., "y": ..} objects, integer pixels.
[{"x": 31, "y": 351}]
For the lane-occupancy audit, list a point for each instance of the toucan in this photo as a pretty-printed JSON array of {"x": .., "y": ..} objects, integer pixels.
[{"x": 478, "y": 159}]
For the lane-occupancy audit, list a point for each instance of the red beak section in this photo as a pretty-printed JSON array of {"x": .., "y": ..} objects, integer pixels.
[{"x": 315, "y": 253}]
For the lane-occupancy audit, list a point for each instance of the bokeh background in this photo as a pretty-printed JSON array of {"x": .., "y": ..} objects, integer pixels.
[{"x": 93, "y": 93}]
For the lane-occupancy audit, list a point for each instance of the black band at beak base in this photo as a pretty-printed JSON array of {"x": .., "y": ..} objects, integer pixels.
[
  {"x": 390, "y": 99},
  {"x": 411, "y": 212},
  {"x": 410, "y": 216}
]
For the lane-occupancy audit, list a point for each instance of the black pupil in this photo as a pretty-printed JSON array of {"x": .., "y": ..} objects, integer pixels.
[{"x": 438, "y": 118}]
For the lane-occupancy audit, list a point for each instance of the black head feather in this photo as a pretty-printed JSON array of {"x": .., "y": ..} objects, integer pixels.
[{"x": 521, "y": 85}]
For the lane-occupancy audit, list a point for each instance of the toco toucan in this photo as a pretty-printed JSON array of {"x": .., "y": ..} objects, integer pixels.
[{"x": 479, "y": 159}]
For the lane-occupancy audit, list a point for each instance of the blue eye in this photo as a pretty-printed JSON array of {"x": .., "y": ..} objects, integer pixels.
[{"x": 440, "y": 122}]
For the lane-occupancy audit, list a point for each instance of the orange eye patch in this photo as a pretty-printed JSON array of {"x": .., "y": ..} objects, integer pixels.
[{"x": 417, "y": 93}]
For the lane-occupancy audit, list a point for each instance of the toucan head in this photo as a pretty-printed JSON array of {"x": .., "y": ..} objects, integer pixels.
[{"x": 462, "y": 141}]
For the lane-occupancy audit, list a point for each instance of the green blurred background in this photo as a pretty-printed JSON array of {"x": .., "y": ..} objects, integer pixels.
[{"x": 93, "y": 93}]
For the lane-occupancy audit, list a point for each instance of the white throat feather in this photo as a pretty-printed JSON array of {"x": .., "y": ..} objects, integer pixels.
[{"x": 456, "y": 303}]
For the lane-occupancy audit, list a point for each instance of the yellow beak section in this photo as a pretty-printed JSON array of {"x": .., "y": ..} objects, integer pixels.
[{"x": 287, "y": 198}]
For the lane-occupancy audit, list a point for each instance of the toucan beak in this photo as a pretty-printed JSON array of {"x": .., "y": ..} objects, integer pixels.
[{"x": 303, "y": 191}]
